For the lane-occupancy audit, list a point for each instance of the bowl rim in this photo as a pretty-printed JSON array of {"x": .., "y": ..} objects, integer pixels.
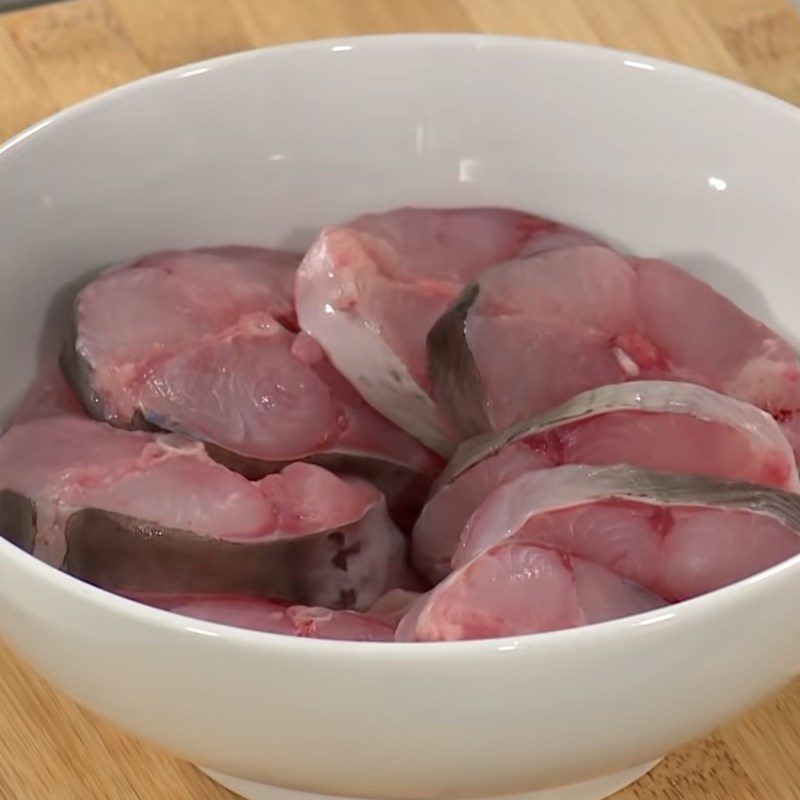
[
  {"x": 382, "y": 41},
  {"x": 33, "y": 569}
]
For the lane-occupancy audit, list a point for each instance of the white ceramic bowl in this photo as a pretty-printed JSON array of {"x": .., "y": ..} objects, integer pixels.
[{"x": 267, "y": 146}]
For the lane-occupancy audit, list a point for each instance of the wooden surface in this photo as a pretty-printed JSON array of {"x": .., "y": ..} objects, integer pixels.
[{"x": 51, "y": 56}]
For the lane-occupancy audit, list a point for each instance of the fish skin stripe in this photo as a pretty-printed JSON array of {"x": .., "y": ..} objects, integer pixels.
[
  {"x": 454, "y": 375},
  {"x": 648, "y": 396}
]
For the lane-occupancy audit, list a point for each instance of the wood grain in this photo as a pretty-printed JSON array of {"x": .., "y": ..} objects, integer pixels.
[
  {"x": 55, "y": 55},
  {"x": 166, "y": 33},
  {"x": 673, "y": 29},
  {"x": 75, "y": 49}
]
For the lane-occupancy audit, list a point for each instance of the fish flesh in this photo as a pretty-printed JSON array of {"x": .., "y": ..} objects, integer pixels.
[
  {"x": 660, "y": 425},
  {"x": 132, "y": 317},
  {"x": 531, "y": 333},
  {"x": 369, "y": 292},
  {"x": 547, "y": 432},
  {"x": 205, "y": 343},
  {"x": 515, "y": 588},
  {"x": 577, "y": 545},
  {"x": 137, "y": 511},
  {"x": 677, "y": 536},
  {"x": 258, "y": 614},
  {"x": 457, "y": 244}
]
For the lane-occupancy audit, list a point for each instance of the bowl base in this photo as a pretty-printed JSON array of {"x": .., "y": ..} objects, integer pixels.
[{"x": 595, "y": 789}]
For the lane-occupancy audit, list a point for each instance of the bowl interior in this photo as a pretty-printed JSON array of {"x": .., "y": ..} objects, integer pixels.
[{"x": 267, "y": 147}]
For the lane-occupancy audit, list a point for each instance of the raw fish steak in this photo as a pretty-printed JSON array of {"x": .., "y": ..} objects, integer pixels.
[
  {"x": 457, "y": 244},
  {"x": 514, "y": 588},
  {"x": 205, "y": 343},
  {"x": 678, "y": 536},
  {"x": 271, "y": 617},
  {"x": 370, "y": 292},
  {"x": 660, "y": 425},
  {"x": 531, "y": 333},
  {"x": 134, "y": 511}
]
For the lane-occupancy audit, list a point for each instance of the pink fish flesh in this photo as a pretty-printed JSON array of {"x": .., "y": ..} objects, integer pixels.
[
  {"x": 677, "y": 536},
  {"x": 271, "y": 617},
  {"x": 515, "y": 588},
  {"x": 358, "y": 288},
  {"x": 659, "y": 425},
  {"x": 205, "y": 343},
  {"x": 142, "y": 512},
  {"x": 534, "y": 332},
  {"x": 458, "y": 244}
]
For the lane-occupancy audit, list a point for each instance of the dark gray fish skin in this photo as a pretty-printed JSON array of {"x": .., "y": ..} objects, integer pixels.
[
  {"x": 284, "y": 539},
  {"x": 624, "y": 481},
  {"x": 677, "y": 397},
  {"x": 17, "y": 519},
  {"x": 472, "y": 451},
  {"x": 121, "y": 553},
  {"x": 77, "y": 373},
  {"x": 542, "y": 492},
  {"x": 562, "y": 487},
  {"x": 124, "y": 554},
  {"x": 457, "y": 384}
]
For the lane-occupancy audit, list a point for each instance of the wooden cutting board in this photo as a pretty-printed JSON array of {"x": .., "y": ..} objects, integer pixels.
[{"x": 53, "y": 55}]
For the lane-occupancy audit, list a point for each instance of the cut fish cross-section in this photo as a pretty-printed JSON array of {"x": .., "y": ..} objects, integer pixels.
[
  {"x": 517, "y": 588},
  {"x": 137, "y": 512},
  {"x": 205, "y": 343},
  {"x": 660, "y": 425},
  {"x": 371, "y": 291},
  {"x": 531, "y": 333},
  {"x": 678, "y": 536}
]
